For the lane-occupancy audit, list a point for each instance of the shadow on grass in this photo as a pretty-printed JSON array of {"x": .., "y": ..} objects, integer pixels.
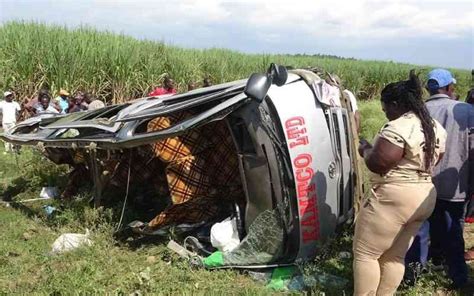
[
  {"x": 17, "y": 186},
  {"x": 30, "y": 213}
]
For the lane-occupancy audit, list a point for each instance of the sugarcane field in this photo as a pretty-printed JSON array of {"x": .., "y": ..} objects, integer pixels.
[{"x": 236, "y": 147}]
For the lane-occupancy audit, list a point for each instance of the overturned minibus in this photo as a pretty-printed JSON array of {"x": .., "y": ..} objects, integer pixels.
[{"x": 275, "y": 152}]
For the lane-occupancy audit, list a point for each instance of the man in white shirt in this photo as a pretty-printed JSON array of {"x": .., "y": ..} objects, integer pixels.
[{"x": 10, "y": 111}]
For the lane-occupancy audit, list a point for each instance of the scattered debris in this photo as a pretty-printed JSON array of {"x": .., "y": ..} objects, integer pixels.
[
  {"x": 262, "y": 277},
  {"x": 49, "y": 210},
  {"x": 144, "y": 276},
  {"x": 12, "y": 254},
  {"x": 27, "y": 236},
  {"x": 281, "y": 277},
  {"x": 224, "y": 235},
  {"x": 70, "y": 241},
  {"x": 151, "y": 259},
  {"x": 49, "y": 192},
  {"x": 317, "y": 278},
  {"x": 289, "y": 278},
  {"x": 180, "y": 250},
  {"x": 7, "y": 203},
  {"x": 345, "y": 255}
]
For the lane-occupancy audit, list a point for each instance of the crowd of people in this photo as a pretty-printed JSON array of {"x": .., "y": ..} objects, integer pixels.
[
  {"x": 421, "y": 187},
  {"x": 42, "y": 103},
  {"x": 11, "y": 111}
]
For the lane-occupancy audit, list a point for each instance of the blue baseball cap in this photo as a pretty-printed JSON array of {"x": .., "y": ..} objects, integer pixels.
[{"x": 439, "y": 78}]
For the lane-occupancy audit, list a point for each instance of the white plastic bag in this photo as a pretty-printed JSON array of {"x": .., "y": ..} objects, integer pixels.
[
  {"x": 70, "y": 241},
  {"x": 49, "y": 192},
  {"x": 224, "y": 235}
]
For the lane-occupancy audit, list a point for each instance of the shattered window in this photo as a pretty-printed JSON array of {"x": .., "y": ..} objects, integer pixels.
[{"x": 263, "y": 243}]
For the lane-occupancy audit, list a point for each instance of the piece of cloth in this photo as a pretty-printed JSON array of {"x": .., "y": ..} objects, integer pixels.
[
  {"x": 406, "y": 132},
  {"x": 9, "y": 112},
  {"x": 385, "y": 227},
  {"x": 454, "y": 175},
  {"x": 331, "y": 94},
  {"x": 63, "y": 104},
  {"x": 447, "y": 242},
  {"x": 159, "y": 91},
  {"x": 281, "y": 276},
  {"x": 202, "y": 171},
  {"x": 216, "y": 259}
]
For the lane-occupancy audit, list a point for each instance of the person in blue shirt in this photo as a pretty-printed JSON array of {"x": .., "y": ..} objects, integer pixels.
[
  {"x": 453, "y": 178},
  {"x": 63, "y": 101}
]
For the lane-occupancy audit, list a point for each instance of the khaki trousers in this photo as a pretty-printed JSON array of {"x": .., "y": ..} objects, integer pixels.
[{"x": 385, "y": 227}]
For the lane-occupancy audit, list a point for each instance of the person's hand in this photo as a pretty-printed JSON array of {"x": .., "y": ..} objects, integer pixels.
[{"x": 363, "y": 145}]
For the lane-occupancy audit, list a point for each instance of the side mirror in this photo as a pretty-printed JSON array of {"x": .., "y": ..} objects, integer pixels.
[
  {"x": 257, "y": 86},
  {"x": 278, "y": 73}
]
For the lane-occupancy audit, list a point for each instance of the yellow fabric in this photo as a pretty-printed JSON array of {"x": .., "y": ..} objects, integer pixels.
[
  {"x": 406, "y": 132},
  {"x": 202, "y": 171}
]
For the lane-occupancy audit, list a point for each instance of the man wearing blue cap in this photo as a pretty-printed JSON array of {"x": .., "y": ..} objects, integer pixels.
[{"x": 452, "y": 177}]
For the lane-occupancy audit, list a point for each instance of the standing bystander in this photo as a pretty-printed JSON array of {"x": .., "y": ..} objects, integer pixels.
[
  {"x": 76, "y": 103},
  {"x": 167, "y": 89},
  {"x": 63, "y": 101},
  {"x": 10, "y": 111},
  {"x": 453, "y": 176}
]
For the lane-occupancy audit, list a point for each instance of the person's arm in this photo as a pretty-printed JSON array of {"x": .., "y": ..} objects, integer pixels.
[
  {"x": 382, "y": 157},
  {"x": 30, "y": 106}
]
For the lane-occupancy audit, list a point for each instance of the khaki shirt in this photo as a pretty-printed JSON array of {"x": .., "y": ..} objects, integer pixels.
[{"x": 406, "y": 132}]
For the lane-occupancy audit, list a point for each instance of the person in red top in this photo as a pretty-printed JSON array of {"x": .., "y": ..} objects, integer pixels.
[{"x": 167, "y": 89}]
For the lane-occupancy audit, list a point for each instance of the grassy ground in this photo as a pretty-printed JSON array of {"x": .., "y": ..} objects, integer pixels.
[{"x": 137, "y": 266}]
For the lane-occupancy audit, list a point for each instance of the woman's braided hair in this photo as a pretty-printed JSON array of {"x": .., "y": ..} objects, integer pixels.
[{"x": 408, "y": 95}]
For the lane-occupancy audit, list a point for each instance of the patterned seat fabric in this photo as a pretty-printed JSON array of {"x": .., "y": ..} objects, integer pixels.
[
  {"x": 199, "y": 170},
  {"x": 202, "y": 171}
]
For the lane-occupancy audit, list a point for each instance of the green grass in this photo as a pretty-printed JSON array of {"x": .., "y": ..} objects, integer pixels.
[
  {"x": 107, "y": 266},
  {"x": 372, "y": 119},
  {"x": 117, "y": 67},
  {"x": 104, "y": 267},
  {"x": 117, "y": 267}
]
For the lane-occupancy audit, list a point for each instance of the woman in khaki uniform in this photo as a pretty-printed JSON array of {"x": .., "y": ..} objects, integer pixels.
[{"x": 402, "y": 194}]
